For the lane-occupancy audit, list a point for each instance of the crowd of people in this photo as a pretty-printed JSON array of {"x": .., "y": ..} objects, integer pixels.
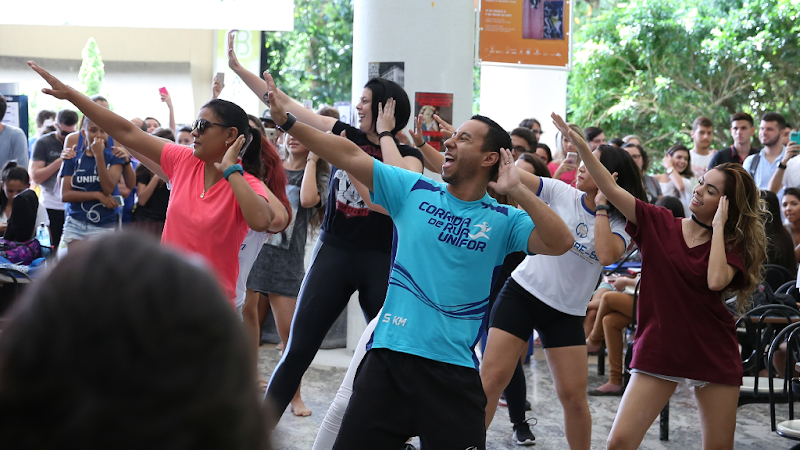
[{"x": 515, "y": 236}]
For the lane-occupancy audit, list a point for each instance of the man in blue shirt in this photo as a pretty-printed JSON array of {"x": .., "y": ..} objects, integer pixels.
[{"x": 420, "y": 377}]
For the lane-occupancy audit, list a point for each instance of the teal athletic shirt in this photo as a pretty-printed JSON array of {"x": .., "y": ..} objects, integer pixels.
[{"x": 448, "y": 254}]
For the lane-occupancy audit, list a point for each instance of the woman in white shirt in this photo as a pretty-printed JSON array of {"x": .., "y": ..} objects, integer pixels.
[
  {"x": 551, "y": 293},
  {"x": 679, "y": 179}
]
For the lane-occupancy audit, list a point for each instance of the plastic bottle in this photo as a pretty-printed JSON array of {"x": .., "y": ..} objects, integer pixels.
[{"x": 43, "y": 235}]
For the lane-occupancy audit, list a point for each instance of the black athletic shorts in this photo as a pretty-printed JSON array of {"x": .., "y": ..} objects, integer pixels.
[
  {"x": 398, "y": 395},
  {"x": 519, "y": 312}
]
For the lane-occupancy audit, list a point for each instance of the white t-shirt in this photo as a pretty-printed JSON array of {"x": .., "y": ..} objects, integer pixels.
[
  {"x": 669, "y": 188},
  {"x": 700, "y": 162},
  {"x": 248, "y": 253},
  {"x": 791, "y": 176},
  {"x": 566, "y": 282}
]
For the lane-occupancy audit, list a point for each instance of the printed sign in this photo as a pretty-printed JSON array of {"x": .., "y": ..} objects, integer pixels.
[{"x": 534, "y": 32}]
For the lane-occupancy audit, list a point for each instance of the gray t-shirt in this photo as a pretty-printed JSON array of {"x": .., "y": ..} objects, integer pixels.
[
  {"x": 281, "y": 258},
  {"x": 48, "y": 149},
  {"x": 13, "y": 145}
]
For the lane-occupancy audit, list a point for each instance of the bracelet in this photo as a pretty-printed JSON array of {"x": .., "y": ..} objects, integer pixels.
[
  {"x": 232, "y": 169},
  {"x": 781, "y": 165},
  {"x": 602, "y": 208},
  {"x": 311, "y": 159},
  {"x": 385, "y": 133},
  {"x": 127, "y": 163},
  {"x": 601, "y": 215},
  {"x": 290, "y": 120},
  {"x": 419, "y": 145}
]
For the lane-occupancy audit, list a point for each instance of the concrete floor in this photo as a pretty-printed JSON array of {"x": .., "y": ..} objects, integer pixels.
[{"x": 323, "y": 378}]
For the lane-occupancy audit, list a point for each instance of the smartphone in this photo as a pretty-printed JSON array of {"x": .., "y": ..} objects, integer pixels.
[
  {"x": 163, "y": 90},
  {"x": 795, "y": 137},
  {"x": 308, "y": 104},
  {"x": 220, "y": 78},
  {"x": 271, "y": 134},
  {"x": 572, "y": 158},
  {"x": 119, "y": 199}
]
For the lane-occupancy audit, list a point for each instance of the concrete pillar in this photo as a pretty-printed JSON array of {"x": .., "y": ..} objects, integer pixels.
[
  {"x": 510, "y": 93},
  {"x": 436, "y": 42}
]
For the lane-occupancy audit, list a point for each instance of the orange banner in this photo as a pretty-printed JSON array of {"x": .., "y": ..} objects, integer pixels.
[{"x": 535, "y": 32}]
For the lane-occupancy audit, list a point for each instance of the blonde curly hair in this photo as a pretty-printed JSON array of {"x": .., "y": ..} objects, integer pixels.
[{"x": 744, "y": 229}]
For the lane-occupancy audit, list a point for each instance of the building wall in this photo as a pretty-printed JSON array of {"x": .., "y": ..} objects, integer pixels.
[{"x": 151, "y": 58}]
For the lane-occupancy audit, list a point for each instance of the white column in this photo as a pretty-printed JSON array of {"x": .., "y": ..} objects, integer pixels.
[
  {"x": 510, "y": 93},
  {"x": 436, "y": 42}
]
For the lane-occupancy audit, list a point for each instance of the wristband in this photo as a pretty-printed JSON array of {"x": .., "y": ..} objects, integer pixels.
[
  {"x": 602, "y": 208},
  {"x": 781, "y": 165},
  {"x": 232, "y": 169},
  {"x": 600, "y": 215},
  {"x": 419, "y": 145},
  {"x": 385, "y": 133},
  {"x": 127, "y": 163},
  {"x": 290, "y": 120}
]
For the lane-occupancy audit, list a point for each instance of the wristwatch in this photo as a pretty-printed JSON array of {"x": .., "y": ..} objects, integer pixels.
[
  {"x": 670, "y": 170},
  {"x": 781, "y": 165},
  {"x": 290, "y": 120}
]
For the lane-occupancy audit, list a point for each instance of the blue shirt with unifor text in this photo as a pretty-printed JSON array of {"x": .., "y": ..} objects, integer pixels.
[
  {"x": 449, "y": 252},
  {"x": 83, "y": 170}
]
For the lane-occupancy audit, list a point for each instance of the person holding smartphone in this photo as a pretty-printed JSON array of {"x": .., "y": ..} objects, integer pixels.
[
  {"x": 566, "y": 170},
  {"x": 787, "y": 174}
]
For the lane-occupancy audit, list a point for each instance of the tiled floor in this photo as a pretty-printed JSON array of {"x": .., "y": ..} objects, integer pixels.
[{"x": 321, "y": 382}]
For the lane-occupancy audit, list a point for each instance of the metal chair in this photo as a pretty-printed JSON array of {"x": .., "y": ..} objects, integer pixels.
[
  {"x": 756, "y": 330},
  {"x": 789, "y": 428},
  {"x": 775, "y": 276}
]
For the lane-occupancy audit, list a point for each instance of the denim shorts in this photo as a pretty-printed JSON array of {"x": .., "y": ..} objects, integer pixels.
[{"x": 78, "y": 230}]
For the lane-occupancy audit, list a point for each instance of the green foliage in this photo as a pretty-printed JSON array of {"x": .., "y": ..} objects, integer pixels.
[
  {"x": 92, "y": 69},
  {"x": 315, "y": 60},
  {"x": 650, "y": 67}
]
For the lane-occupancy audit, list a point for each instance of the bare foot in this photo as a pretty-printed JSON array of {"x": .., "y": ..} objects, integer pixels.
[
  {"x": 299, "y": 408},
  {"x": 591, "y": 347},
  {"x": 262, "y": 384}
]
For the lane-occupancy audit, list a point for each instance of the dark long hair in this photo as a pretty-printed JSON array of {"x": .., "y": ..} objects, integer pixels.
[
  {"x": 12, "y": 171},
  {"x": 155, "y": 360},
  {"x": 687, "y": 172},
  {"x": 383, "y": 90},
  {"x": 629, "y": 177},
  {"x": 262, "y": 161},
  {"x": 260, "y": 158},
  {"x": 780, "y": 246}
]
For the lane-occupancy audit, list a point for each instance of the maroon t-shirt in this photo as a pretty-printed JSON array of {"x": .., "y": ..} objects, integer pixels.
[{"x": 684, "y": 328}]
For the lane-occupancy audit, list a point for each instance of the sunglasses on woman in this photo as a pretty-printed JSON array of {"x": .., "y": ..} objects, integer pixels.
[{"x": 201, "y": 124}]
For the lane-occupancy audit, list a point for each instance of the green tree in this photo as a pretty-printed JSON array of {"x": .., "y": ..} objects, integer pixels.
[
  {"x": 315, "y": 60},
  {"x": 92, "y": 68},
  {"x": 651, "y": 66}
]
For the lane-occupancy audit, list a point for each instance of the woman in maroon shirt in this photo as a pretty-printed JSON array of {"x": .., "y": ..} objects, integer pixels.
[{"x": 685, "y": 333}]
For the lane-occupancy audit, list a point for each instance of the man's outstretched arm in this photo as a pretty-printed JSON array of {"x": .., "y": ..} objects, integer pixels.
[{"x": 338, "y": 151}]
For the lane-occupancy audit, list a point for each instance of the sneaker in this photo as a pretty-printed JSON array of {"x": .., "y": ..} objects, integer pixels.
[
  {"x": 528, "y": 406},
  {"x": 408, "y": 446},
  {"x": 522, "y": 434}
]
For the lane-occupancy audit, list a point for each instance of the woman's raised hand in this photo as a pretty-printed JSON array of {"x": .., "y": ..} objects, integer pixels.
[
  {"x": 233, "y": 61},
  {"x": 565, "y": 130},
  {"x": 386, "y": 120},
  {"x": 444, "y": 127},
  {"x": 721, "y": 216},
  {"x": 231, "y": 156},
  {"x": 416, "y": 132},
  {"x": 273, "y": 101},
  {"x": 57, "y": 88}
]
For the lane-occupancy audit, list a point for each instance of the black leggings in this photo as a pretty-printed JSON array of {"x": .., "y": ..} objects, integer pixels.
[{"x": 332, "y": 277}]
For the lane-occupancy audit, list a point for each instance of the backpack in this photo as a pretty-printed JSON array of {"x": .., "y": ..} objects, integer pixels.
[{"x": 764, "y": 295}]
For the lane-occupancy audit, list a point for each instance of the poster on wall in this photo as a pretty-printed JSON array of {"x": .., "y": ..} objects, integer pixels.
[
  {"x": 16, "y": 112},
  {"x": 393, "y": 71},
  {"x": 345, "y": 112},
  {"x": 533, "y": 32},
  {"x": 428, "y": 104}
]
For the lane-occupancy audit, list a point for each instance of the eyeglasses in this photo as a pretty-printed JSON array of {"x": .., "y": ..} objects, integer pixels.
[
  {"x": 520, "y": 149},
  {"x": 537, "y": 132},
  {"x": 201, "y": 124}
]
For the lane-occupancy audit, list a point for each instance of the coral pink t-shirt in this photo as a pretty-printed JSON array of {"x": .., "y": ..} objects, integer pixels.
[
  {"x": 211, "y": 226},
  {"x": 567, "y": 177}
]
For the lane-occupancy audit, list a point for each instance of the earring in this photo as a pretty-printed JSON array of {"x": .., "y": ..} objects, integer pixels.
[{"x": 226, "y": 142}]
